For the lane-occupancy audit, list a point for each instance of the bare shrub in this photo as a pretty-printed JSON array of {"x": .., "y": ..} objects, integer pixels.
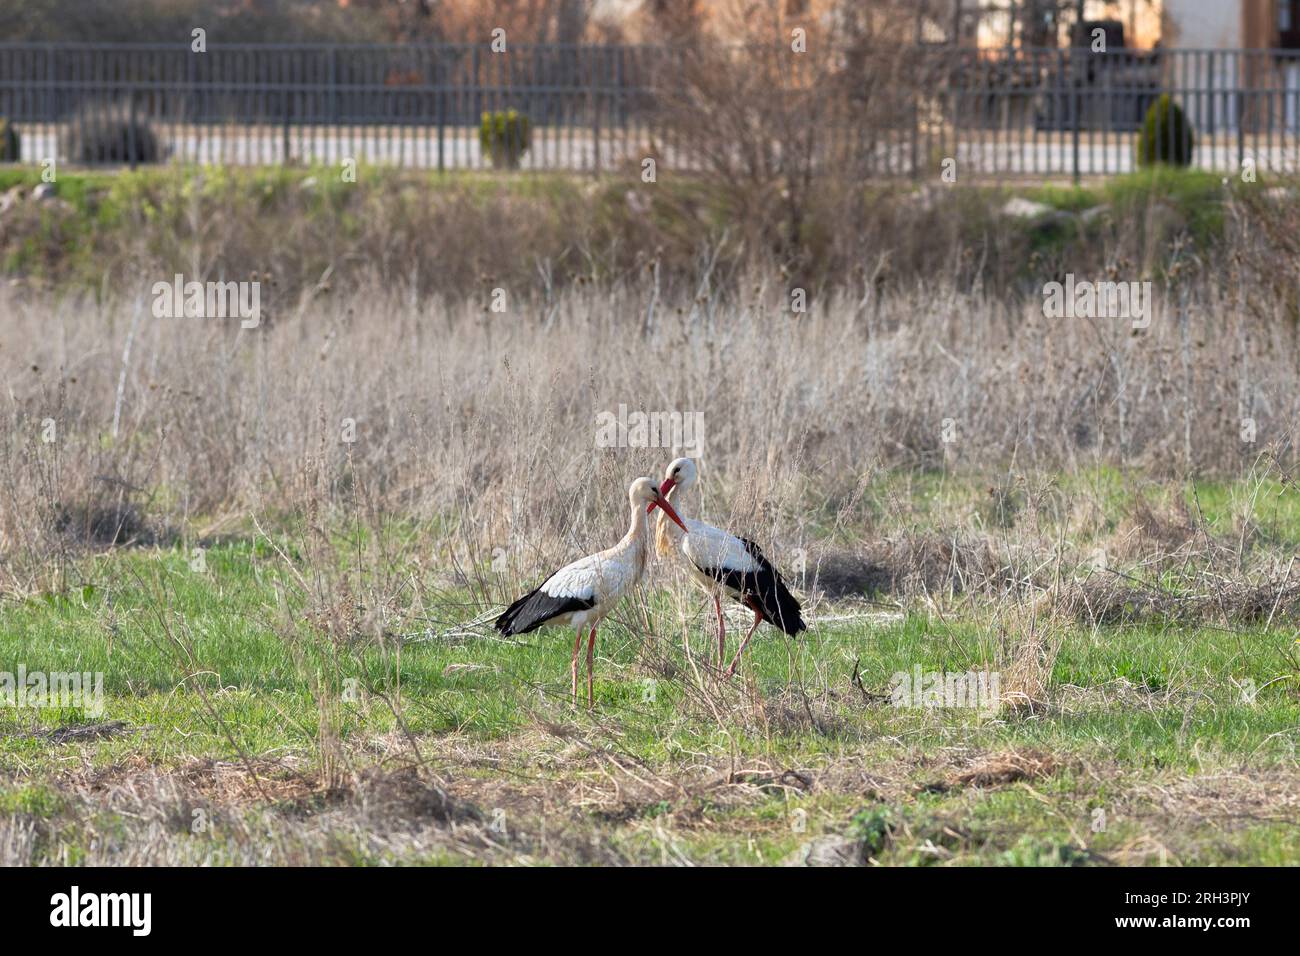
[
  {"x": 786, "y": 117},
  {"x": 109, "y": 133}
]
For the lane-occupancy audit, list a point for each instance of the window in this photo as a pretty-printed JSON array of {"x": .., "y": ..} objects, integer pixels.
[{"x": 1288, "y": 24}]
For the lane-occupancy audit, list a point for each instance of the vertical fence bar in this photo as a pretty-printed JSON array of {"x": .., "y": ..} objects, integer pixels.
[
  {"x": 594, "y": 106},
  {"x": 1239, "y": 110},
  {"x": 1077, "y": 118},
  {"x": 52, "y": 103},
  {"x": 440, "y": 109},
  {"x": 332, "y": 94},
  {"x": 130, "y": 129},
  {"x": 286, "y": 107}
]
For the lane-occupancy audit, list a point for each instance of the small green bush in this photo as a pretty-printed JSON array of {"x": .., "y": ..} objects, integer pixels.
[
  {"x": 109, "y": 134},
  {"x": 9, "y": 142},
  {"x": 505, "y": 135},
  {"x": 1166, "y": 135}
]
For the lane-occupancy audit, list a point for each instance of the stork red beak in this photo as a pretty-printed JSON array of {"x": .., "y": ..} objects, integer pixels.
[
  {"x": 668, "y": 510},
  {"x": 663, "y": 490}
]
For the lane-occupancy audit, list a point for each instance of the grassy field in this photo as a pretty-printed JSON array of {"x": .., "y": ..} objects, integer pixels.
[
  {"x": 282, "y": 545},
  {"x": 264, "y": 703}
]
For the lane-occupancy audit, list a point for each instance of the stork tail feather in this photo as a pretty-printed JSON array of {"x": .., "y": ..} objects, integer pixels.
[{"x": 781, "y": 608}]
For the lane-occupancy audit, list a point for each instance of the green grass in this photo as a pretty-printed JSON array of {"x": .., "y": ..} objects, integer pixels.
[{"x": 239, "y": 683}]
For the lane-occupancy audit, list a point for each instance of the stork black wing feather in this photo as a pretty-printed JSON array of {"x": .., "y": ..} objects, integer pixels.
[
  {"x": 536, "y": 608},
  {"x": 764, "y": 588}
]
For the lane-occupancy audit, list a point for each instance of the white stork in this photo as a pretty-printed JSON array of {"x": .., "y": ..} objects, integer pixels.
[
  {"x": 724, "y": 563},
  {"x": 582, "y": 593}
]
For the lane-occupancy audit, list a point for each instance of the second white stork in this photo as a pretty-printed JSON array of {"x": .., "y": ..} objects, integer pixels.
[
  {"x": 723, "y": 563},
  {"x": 579, "y": 595}
]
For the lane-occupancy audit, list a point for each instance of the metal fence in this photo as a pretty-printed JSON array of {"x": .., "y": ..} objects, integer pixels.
[
  {"x": 1053, "y": 112},
  {"x": 996, "y": 113},
  {"x": 414, "y": 105}
]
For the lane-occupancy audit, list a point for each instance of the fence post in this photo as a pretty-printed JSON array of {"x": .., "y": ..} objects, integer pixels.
[
  {"x": 595, "y": 120},
  {"x": 288, "y": 107},
  {"x": 1211, "y": 119},
  {"x": 477, "y": 112},
  {"x": 1075, "y": 76},
  {"x": 1241, "y": 110},
  {"x": 916, "y": 131},
  {"x": 439, "y": 96},
  {"x": 334, "y": 86},
  {"x": 130, "y": 128},
  {"x": 52, "y": 109}
]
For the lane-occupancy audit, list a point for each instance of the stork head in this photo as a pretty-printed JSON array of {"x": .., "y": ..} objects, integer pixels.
[
  {"x": 644, "y": 492},
  {"x": 679, "y": 474}
]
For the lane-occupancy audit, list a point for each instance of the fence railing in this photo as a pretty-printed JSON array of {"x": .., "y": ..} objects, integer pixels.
[
  {"x": 416, "y": 105},
  {"x": 1052, "y": 112},
  {"x": 993, "y": 113}
]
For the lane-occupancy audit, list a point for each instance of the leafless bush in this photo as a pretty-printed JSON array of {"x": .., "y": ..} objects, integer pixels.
[{"x": 786, "y": 117}]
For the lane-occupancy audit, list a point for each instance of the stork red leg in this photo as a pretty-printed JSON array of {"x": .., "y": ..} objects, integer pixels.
[
  {"x": 758, "y": 619},
  {"x": 577, "y": 643},
  {"x": 722, "y": 630},
  {"x": 591, "y": 650}
]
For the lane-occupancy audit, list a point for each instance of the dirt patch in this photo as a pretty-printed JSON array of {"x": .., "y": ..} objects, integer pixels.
[
  {"x": 1118, "y": 694},
  {"x": 1228, "y": 799},
  {"x": 842, "y": 574},
  {"x": 1148, "y": 529},
  {"x": 1104, "y": 600},
  {"x": 998, "y": 770},
  {"x": 117, "y": 524},
  {"x": 914, "y": 563},
  {"x": 231, "y": 783},
  {"x": 81, "y": 733}
]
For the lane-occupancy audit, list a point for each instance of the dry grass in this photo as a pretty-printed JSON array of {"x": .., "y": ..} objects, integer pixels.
[
  {"x": 1000, "y": 769},
  {"x": 483, "y": 421},
  {"x": 569, "y": 803}
]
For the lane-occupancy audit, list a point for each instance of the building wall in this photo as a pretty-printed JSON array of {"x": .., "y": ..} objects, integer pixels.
[
  {"x": 1197, "y": 24},
  {"x": 1259, "y": 24}
]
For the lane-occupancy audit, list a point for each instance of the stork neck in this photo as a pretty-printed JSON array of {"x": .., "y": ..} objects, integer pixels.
[
  {"x": 634, "y": 542},
  {"x": 666, "y": 530},
  {"x": 636, "y": 532},
  {"x": 679, "y": 496}
]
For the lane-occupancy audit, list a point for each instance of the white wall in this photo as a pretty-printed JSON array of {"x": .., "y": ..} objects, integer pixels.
[
  {"x": 1206, "y": 25},
  {"x": 1202, "y": 24}
]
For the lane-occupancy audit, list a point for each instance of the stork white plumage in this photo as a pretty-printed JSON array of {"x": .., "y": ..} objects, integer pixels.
[
  {"x": 722, "y": 563},
  {"x": 582, "y": 593}
]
